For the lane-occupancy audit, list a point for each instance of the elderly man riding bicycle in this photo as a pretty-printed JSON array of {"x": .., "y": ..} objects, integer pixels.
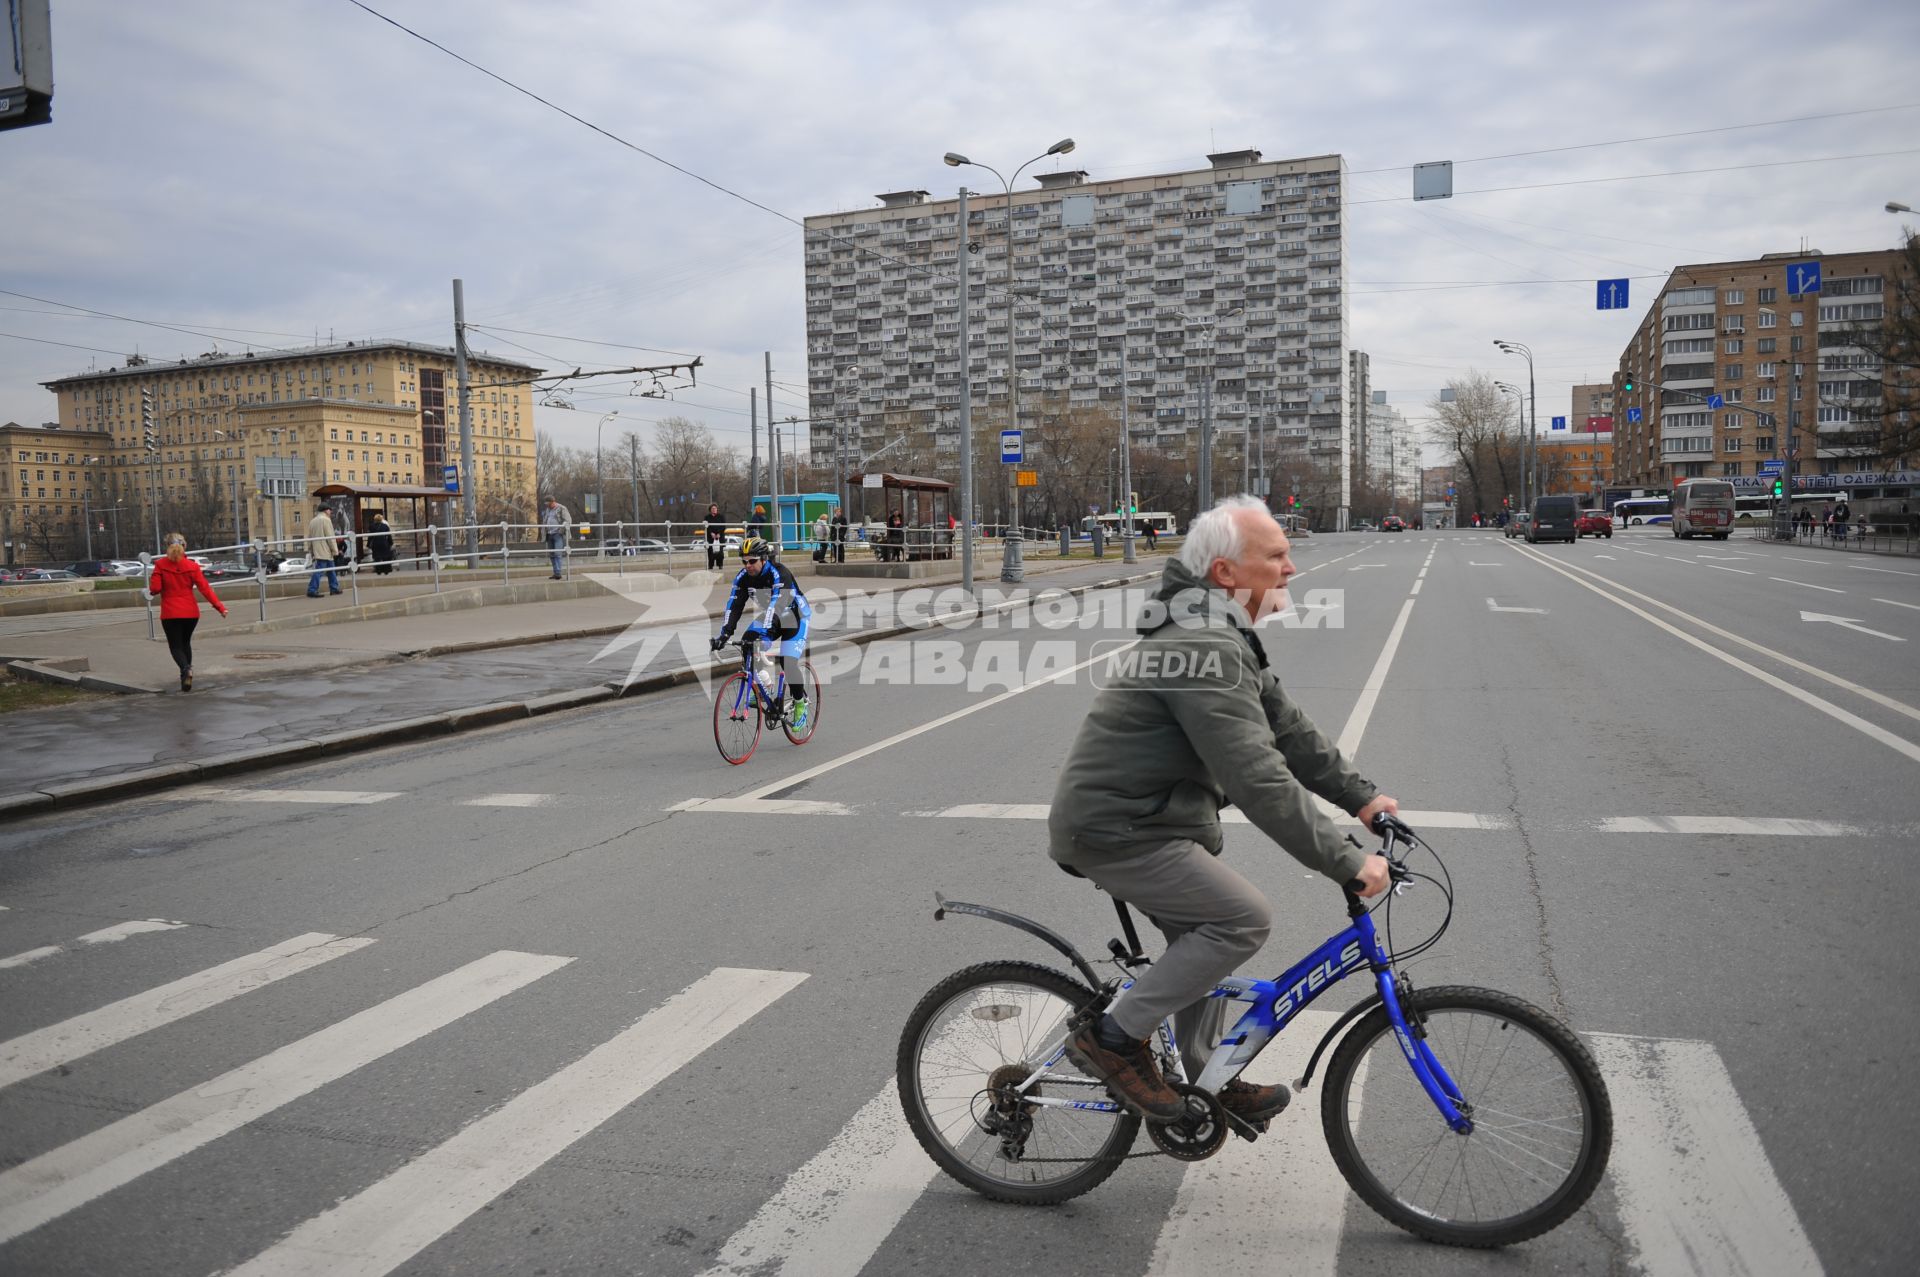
[{"x": 1162, "y": 750}]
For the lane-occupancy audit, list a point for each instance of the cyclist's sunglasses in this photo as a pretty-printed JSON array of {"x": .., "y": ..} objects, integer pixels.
[{"x": 750, "y": 558}]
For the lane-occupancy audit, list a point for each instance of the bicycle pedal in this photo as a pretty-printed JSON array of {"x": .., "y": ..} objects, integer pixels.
[{"x": 1248, "y": 1131}]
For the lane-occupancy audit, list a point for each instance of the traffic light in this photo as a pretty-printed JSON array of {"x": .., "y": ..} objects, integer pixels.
[
  {"x": 147, "y": 434},
  {"x": 1626, "y": 384},
  {"x": 1779, "y": 488}
]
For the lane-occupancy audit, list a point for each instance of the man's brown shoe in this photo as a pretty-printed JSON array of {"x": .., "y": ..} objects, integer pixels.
[
  {"x": 1130, "y": 1074},
  {"x": 1252, "y": 1103}
]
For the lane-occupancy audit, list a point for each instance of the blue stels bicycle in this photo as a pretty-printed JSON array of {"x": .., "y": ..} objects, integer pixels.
[
  {"x": 1463, "y": 1115},
  {"x": 751, "y": 696}
]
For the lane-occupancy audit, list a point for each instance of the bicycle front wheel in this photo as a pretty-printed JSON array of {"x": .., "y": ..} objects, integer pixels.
[
  {"x": 1542, "y": 1122},
  {"x": 736, "y": 719},
  {"x": 810, "y": 686},
  {"x": 976, "y": 1037}
]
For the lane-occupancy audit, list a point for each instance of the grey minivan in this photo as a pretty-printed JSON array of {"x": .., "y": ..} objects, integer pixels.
[{"x": 1553, "y": 519}]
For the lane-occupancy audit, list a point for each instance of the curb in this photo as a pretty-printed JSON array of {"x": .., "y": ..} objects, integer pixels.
[{"x": 126, "y": 784}]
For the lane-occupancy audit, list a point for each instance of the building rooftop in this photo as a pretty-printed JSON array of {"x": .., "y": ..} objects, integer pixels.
[{"x": 141, "y": 366}]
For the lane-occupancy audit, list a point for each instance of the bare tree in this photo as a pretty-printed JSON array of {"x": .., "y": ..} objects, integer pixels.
[{"x": 1476, "y": 428}]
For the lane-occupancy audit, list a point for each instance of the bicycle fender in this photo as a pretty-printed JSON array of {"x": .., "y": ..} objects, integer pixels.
[
  {"x": 1338, "y": 1027},
  {"x": 1028, "y": 925}
]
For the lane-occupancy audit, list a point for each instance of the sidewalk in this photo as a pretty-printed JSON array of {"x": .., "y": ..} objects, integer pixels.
[{"x": 265, "y": 699}]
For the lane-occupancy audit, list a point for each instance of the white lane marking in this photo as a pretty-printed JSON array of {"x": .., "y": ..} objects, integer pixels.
[
  {"x": 1361, "y": 567},
  {"x": 1806, "y": 584},
  {"x": 1650, "y": 554},
  {"x": 1349, "y": 743},
  {"x": 1473, "y": 564},
  {"x": 1878, "y": 698},
  {"x": 74, "y": 1174},
  {"x": 1416, "y": 587},
  {"x": 832, "y": 1214},
  {"x": 331, "y": 797},
  {"x": 858, "y": 754},
  {"x": 57, "y": 1044},
  {"x": 1825, "y": 563},
  {"x": 1896, "y": 603},
  {"x": 1719, "y": 568},
  {"x": 1603, "y": 556},
  {"x": 390, "y": 1222},
  {"x": 511, "y": 800},
  {"x": 1750, "y": 825},
  {"x": 106, "y": 935},
  {"x": 1677, "y": 559},
  {"x": 1277, "y": 1205},
  {"x": 1861, "y": 567},
  {"x": 762, "y": 807},
  {"x": 1696, "y": 1191},
  {"x": 1495, "y": 607},
  {"x": 1783, "y": 826},
  {"x": 1846, "y": 623}
]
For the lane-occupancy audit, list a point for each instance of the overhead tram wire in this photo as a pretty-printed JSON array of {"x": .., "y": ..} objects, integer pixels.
[{"x": 1642, "y": 177}]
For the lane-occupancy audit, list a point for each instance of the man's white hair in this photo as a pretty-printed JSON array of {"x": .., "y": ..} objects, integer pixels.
[{"x": 1216, "y": 533}]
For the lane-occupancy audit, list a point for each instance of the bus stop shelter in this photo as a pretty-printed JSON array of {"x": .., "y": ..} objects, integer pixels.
[
  {"x": 424, "y": 507},
  {"x": 925, "y": 505}
]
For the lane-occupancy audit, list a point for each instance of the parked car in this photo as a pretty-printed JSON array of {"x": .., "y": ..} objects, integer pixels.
[
  {"x": 293, "y": 566},
  {"x": 128, "y": 567},
  {"x": 700, "y": 543},
  {"x": 91, "y": 567},
  {"x": 622, "y": 547},
  {"x": 1517, "y": 525},
  {"x": 1393, "y": 523},
  {"x": 46, "y": 574},
  {"x": 1594, "y": 523},
  {"x": 226, "y": 569}
]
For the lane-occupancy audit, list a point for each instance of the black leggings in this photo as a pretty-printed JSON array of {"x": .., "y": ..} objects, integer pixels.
[{"x": 180, "y": 639}]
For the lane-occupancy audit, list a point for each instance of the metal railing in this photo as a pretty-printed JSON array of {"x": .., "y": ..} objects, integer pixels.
[{"x": 1866, "y": 537}]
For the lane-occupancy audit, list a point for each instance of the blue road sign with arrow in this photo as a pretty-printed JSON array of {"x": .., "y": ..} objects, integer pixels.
[
  {"x": 1610, "y": 294},
  {"x": 1716, "y": 401},
  {"x": 1633, "y": 415},
  {"x": 1803, "y": 277},
  {"x": 1559, "y": 423}
]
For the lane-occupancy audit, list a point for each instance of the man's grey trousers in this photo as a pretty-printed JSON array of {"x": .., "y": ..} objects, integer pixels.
[{"x": 1213, "y": 919}]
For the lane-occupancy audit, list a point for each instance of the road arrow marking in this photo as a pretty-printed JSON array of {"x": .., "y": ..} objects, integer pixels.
[
  {"x": 1848, "y": 623},
  {"x": 1603, "y": 556},
  {"x": 1495, "y": 607}
]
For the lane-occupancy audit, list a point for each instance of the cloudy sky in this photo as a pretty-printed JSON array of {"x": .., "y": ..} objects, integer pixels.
[{"x": 262, "y": 171}]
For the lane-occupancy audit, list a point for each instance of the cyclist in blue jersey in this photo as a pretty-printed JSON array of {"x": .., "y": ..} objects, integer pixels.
[{"x": 782, "y": 621}]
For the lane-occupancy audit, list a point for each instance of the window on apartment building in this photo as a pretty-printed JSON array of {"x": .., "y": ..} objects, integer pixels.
[
  {"x": 1763, "y": 443},
  {"x": 1735, "y": 296},
  {"x": 1795, "y": 318},
  {"x": 1765, "y": 395},
  {"x": 1768, "y": 295},
  {"x": 1730, "y": 469},
  {"x": 1766, "y": 345},
  {"x": 1733, "y": 345},
  {"x": 1732, "y": 372},
  {"x": 1766, "y": 368},
  {"x": 1768, "y": 319},
  {"x": 1731, "y": 445}
]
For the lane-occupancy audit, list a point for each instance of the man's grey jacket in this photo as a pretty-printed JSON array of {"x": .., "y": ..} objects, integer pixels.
[{"x": 1189, "y": 721}]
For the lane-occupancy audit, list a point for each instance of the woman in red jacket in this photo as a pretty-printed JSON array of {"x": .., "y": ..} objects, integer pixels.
[{"x": 174, "y": 579}]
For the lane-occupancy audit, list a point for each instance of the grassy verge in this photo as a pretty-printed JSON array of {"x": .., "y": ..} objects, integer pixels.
[{"x": 20, "y": 693}]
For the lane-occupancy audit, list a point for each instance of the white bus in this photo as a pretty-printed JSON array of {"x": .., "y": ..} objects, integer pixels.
[
  {"x": 1633, "y": 510},
  {"x": 1114, "y": 524},
  {"x": 1702, "y": 507}
]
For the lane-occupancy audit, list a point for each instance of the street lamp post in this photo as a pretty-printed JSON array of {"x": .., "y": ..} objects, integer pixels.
[
  {"x": 600, "y": 478},
  {"x": 1520, "y": 417},
  {"x": 1533, "y": 419},
  {"x": 1011, "y": 568}
]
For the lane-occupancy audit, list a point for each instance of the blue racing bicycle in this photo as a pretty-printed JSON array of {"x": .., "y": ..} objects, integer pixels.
[{"x": 1463, "y": 1115}]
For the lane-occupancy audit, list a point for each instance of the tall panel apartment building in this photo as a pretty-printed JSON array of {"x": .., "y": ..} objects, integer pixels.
[
  {"x": 1773, "y": 358},
  {"x": 1232, "y": 274}
]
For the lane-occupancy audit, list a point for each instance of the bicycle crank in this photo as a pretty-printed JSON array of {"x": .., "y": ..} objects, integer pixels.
[{"x": 1198, "y": 1132}]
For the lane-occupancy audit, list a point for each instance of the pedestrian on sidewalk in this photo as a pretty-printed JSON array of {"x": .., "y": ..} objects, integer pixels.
[
  {"x": 757, "y": 525},
  {"x": 380, "y": 544},
  {"x": 554, "y": 521},
  {"x": 716, "y": 538},
  {"x": 1841, "y": 513},
  {"x": 320, "y": 545},
  {"x": 1153, "y": 535},
  {"x": 839, "y": 535},
  {"x": 175, "y": 578}
]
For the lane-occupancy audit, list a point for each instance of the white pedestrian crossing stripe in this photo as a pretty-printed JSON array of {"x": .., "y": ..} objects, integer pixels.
[
  {"x": 106, "y": 935},
  {"x": 1690, "y": 1180}
]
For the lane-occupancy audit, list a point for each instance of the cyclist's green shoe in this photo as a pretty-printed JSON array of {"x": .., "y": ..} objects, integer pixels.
[
  {"x": 1253, "y": 1103},
  {"x": 797, "y": 711}
]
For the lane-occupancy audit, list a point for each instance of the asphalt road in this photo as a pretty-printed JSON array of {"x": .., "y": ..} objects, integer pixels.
[{"x": 1676, "y": 814}]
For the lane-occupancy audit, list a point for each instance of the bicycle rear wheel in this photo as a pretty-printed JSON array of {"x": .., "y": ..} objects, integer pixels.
[
  {"x": 976, "y": 1035},
  {"x": 810, "y": 687},
  {"x": 736, "y": 719},
  {"x": 1542, "y": 1122}
]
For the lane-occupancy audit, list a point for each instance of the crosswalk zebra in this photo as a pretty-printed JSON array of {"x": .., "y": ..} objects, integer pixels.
[{"x": 1691, "y": 1182}]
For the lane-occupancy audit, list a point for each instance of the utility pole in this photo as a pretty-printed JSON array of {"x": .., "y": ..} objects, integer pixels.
[
  {"x": 469, "y": 511},
  {"x": 633, "y": 475},
  {"x": 150, "y": 433},
  {"x": 773, "y": 456},
  {"x": 966, "y": 417},
  {"x": 1126, "y": 466},
  {"x": 753, "y": 433}
]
